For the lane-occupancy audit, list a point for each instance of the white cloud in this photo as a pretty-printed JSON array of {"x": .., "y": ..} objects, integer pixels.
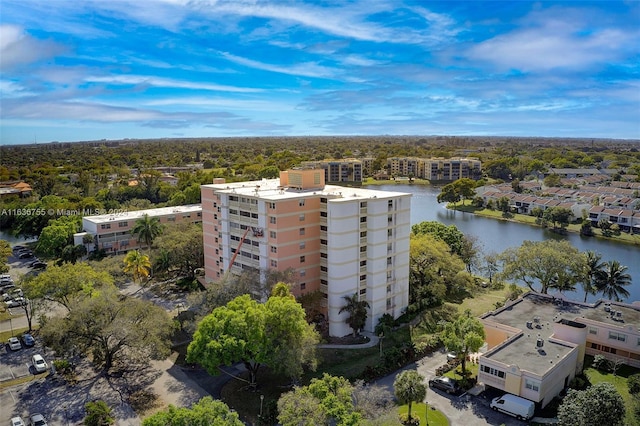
[
  {"x": 136, "y": 80},
  {"x": 18, "y": 48},
  {"x": 307, "y": 69}
]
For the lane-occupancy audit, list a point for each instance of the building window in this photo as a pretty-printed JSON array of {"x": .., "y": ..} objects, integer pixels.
[
  {"x": 323, "y": 228},
  {"x": 105, "y": 226},
  {"x": 274, "y": 249},
  {"x": 302, "y": 245},
  {"x": 363, "y": 263},
  {"x": 272, "y": 205},
  {"x": 302, "y": 259},
  {"x": 272, "y": 234},
  {"x": 301, "y": 217},
  {"x": 593, "y": 330},
  {"x": 233, "y": 198},
  {"x": 233, "y": 211},
  {"x": 363, "y": 204},
  {"x": 363, "y": 291},
  {"x": 323, "y": 269},
  {"x": 492, "y": 371},
  {"x": 303, "y": 286},
  {"x": 390, "y": 203},
  {"x": 323, "y": 200},
  {"x": 531, "y": 384},
  {"x": 301, "y": 231},
  {"x": 272, "y": 219},
  {"x": 323, "y": 255},
  {"x": 389, "y": 261},
  {"x": 323, "y": 214},
  {"x": 274, "y": 263},
  {"x": 363, "y": 219},
  {"x": 123, "y": 224},
  {"x": 389, "y": 303},
  {"x": 301, "y": 203},
  {"x": 390, "y": 219},
  {"x": 363, "y": 234},
  {"x": 389, "y": 232},
  {"x": 363, "y": 249},
  {"x": 363, "y": 277},
  {"x": 617, "y": 336},
  {"x": 324, "y": 282},
  {"x": 302, "y": 272},
  {"x": 388, "y": 289},
  {"x": 323, "y": 242}
]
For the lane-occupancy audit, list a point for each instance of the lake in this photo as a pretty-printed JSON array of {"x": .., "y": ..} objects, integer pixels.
[{"x": 498, "y": 235}]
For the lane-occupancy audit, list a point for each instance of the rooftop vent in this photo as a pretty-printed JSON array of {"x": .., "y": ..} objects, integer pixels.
[
  {"x": 529, "y": 324},
  {"x": 539, "y": 342},
  {"x": 607, "y": 308}
]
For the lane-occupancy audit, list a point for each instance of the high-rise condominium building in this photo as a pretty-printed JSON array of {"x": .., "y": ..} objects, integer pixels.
[{"x": 339, "y": 241}]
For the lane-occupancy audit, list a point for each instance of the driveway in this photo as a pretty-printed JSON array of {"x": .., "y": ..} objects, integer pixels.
[{"x": 461, "y": 410}]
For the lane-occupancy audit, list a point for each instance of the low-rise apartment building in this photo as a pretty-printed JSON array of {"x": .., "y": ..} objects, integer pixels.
[
  {"x": 438, "y": 169},
  {"x": 337, "y": 171},
  {"x": 112, "y": 232},
  {"x": 338, "y": 241},
  {"x": 537, "y": 343}
]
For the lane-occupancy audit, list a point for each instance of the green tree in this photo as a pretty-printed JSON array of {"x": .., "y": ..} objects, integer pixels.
[
  {"x": 613, "y": 280},
  {"x": 553, "y": 180},
  {"x": 450, "y": 234},
  {"x": 57, "y": 235},
  {"x": 5, "y": 252},
  {"x": 300, "y": 408},
  {"x": 357, "y": 310},
  {"x": 206, "y": 412},
  {"x": 184, "y": 246},
  {"x": 539, "y": 264},
  {"x": 593, "y": 273},
  {"x": 465, "y": 187},
  {"x": 35, "y": 304},
  {"x": 409, "y": 387},
  {"x": 463, "y": 336},
  {"x": 138, "y": 265},
  {"x": 558, "y": 216},
  {"x": 275, "y": 334},
  {"x": 111, "y": 328},
  {"x": 68, "y": 282},
  {"x": 146, "y": 229},
  {"x": 449, "y": 194},
  {"x": 600, "y": 404},
  {"x": 98, "y": 414},
  {"x": 432, "y": 271}
]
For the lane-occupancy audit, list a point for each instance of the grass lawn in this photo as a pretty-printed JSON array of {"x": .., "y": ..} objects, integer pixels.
[
  {"x": 481, "y": 302},
  {"x": 620, "y": 383},
  {"x": 434, "y": 417},
  {"x": 4, "y": 336}
]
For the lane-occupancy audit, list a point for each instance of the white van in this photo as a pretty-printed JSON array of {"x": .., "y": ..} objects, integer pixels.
[{"x": 515, "y": 406}]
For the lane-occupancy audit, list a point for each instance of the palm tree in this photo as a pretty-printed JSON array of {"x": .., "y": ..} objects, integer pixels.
[
  {"x": 357, "y": 310},
  {"x": 137, "y": 264},
  {"x": 147, "y": 229},
  {"x": 409, "y": 387},
  {"x": 614, "y": 278},
  {"x": 593, "y": 273}
]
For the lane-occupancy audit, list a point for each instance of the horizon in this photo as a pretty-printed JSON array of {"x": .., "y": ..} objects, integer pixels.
[{"x": 172, "y": 69}]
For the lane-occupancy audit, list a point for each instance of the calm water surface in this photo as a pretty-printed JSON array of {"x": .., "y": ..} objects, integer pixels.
[{"x": 497, "y": 235}]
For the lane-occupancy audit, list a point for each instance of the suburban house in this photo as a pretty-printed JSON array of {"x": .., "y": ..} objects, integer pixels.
[
  {"x": 112, "y": 232},
  {"x": 339, "y": 241},
  {"x": 537, "y": 343},
  {"x": 18, "y": 187}
]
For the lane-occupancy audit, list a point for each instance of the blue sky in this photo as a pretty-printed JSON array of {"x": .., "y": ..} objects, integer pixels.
[{"x": 87, "y": 70}]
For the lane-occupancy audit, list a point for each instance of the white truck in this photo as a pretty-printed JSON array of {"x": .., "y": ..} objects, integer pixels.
[{"x": 515, "y": 406}]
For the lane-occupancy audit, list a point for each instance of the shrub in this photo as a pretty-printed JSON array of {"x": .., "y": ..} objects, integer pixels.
[
  {"x": 98, "y": 414},
  {"x": 601, "y": 363},
  {"x": 634, "y": 384},
  {"x": 405, "y": 420}
]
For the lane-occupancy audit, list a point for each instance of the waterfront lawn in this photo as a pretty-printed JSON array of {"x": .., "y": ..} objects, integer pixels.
[
  {"x": 434, "y": 418},
  {"x": 483, "y": 301}
]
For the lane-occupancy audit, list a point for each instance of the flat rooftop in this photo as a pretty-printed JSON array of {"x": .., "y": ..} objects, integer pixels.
[
  {"x": 536, "y": 314},
  {"x": 121, "y": 215},
  {"x": 270, "y": 189}
]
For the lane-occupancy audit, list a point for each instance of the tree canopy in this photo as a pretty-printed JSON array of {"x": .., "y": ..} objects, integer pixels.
[
  {"x": 184, "y": 247},
  {"x": 357, "y": 310},
  {"x": 146, "y": 229},
  {"x": 542, "y": 265},
  {"x": 138, "y": 265},
  {"x": 274, "y": 333},
  {"x": 68, "y": 282},
  {"x": 409, "y": 387},
  {"x": 111, "y": 328},
  {"x": 598, "y": 405},
  {"x": 463, "y": 336},
  {"x": 450, "y": 234},
  {"x": 206, "y": 412}
]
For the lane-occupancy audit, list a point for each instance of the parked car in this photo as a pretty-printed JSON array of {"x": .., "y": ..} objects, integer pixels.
[
  {"x": 17, "y": 302},
  {"x": 7, "y": 286},
  {"x": 25, "y": 255},
  {"x": 17, "y": 421},
  {"x": 39, "y": 364},
  {"x": 38, "y": 420},
  {"x": 38, "y": 265},
  {"x": 5, "y": 278},
  {"x": 513, "y": 405},
  {"x": 28, "y": 340},
  {"x": 14, "y": 344},
  {"x": 446, "y": 384}
]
